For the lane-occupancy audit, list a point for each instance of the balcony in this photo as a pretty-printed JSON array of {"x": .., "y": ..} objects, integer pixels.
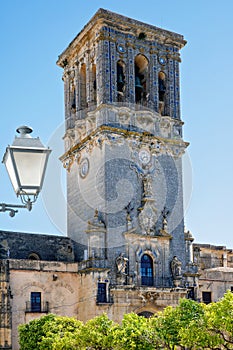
[{"x": 37, "y": 308}]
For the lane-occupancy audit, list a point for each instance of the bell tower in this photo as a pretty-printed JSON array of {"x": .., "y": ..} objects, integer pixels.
[{"x": 123, "y": 155}]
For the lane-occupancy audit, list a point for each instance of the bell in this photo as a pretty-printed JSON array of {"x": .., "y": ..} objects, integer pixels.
[{"x": 120, "y": 80}]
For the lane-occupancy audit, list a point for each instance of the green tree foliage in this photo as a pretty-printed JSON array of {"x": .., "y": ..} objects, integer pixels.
[
  {"x": 134, "y": 333},
  {"x": 220, "y": 320},
  {"x": 214, "y": 330},
  {"x": 50, "y": 333},
  {"x": 169, "y": 324},
  {"x": 31, "y": 334},
  {"x": 97, "y": 334},
  {"x": 190, "y": 325}
]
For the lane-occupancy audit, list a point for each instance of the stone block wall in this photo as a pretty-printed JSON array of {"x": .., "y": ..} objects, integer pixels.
[{"x": 18, "y": 245}]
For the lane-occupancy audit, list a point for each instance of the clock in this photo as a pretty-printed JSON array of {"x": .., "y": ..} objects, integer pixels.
[
  {"x": 144, "y": 156},
  {"x": 120, "y": 48},
  {"x": 84, "y": 168},
  {"x": 162, "y": 60}
]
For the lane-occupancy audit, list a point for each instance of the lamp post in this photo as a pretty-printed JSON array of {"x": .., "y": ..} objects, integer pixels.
[{"x": 26, "y": 162}]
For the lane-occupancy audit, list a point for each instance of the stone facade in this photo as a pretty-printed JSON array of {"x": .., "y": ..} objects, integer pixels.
[
  {"x": 126, "y": 249},
  {"x": 18, "y": 245},
  {"x": 73, "y": 289},
  {"x": 123, "y": 149},
  {"x": 215, "y": 267}
]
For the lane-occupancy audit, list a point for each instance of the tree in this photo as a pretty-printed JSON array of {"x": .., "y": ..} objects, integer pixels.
[
  {"x": 31, "y": 334},
  {"x": 134, "y": 333},
  {"x": 220, "y": 320},
  {"x": 214, "y": 330},
  {"x": 168, "y": 325},
  {"x": 190, "y": 325},
  {"x": 97, "y": 333},
  {"x": 51, "y": 332}
]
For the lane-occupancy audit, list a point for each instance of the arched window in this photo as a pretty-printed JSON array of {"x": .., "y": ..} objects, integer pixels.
[
  {"x": 83, "y": 93},
  {"x": 162, "y": 91},
  {"x": 33, "y": 256},
  {"x": 120, "y": 80},
  {"x": 146, "y": 270},
  {"x": 141, "y": 79},
  {"x": 93, "y": 71},
  {"x": 72, "y": 96}
]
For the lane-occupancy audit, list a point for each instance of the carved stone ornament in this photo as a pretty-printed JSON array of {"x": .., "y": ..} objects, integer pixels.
[
  {"x": 147, "y": 187},
  {"x": 68, "y": 162},
  {"x": 96, "y": 225},
  {"x": 144, "y": 157},
  {"x": 148, "y": 213},
  {"x": 148, "y": 218},
  {"x": 84, "y": 168},
  {"x": 148, "y": 296}
]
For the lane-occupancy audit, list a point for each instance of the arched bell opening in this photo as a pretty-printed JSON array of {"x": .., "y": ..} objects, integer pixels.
[
  {"x": 141, "y": 78},
  {"x": 93, "y": 83},
  {"x": 72, "y": 97},
  {"x": 120, "y": 81},
  {"x": 83, "y": 86},
  {"x": 162, "y": 91}
]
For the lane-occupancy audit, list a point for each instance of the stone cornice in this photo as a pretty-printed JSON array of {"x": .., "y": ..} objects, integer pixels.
[
  {"x": 124, "y": 24},
  {"x": 138, "y": 236},
  {"x": 105, "y": 129},
  {"x": 123, "y": 132}
]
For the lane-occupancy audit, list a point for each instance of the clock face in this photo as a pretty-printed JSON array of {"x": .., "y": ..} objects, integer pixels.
[
  {"x": 120, "y": 48},
  {"x": 84, "y": 168},
  {"x": 162, "y": 60},
  {"x": 144, "y": 156}
]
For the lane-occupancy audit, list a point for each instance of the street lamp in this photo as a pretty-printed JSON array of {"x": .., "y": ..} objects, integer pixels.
[{"x": 26, "y": 162}]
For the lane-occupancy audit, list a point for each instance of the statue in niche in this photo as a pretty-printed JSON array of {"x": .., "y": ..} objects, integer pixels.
[
  {"x": 148, "y": 215},
  {"x": 147, "y": 186},
  {"x": 176, "y": 267},
  {"x": 122, "y": 263}
]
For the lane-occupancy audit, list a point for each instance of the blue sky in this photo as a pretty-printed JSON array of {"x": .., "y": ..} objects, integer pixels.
[{"x": 34, "y": 33}]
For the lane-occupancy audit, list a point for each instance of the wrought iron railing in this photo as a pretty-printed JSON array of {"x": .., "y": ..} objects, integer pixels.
[{"x": 40, "y": 308}]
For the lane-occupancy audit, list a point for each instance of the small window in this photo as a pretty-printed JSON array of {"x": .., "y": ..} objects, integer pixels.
[
  {"x": 191, "y": 294},
  {"x": 35, "y": 302},
  {"x": 33, "y": 256},
  {"x": 206, "y": 297},
  {"x": 232, "y": 289},
  {"x": 102, "y": 293},
  {"x": 142, "y": 36}
]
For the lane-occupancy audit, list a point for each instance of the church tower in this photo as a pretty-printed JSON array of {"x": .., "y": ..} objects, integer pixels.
[{"x": 123, "y": 155}]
